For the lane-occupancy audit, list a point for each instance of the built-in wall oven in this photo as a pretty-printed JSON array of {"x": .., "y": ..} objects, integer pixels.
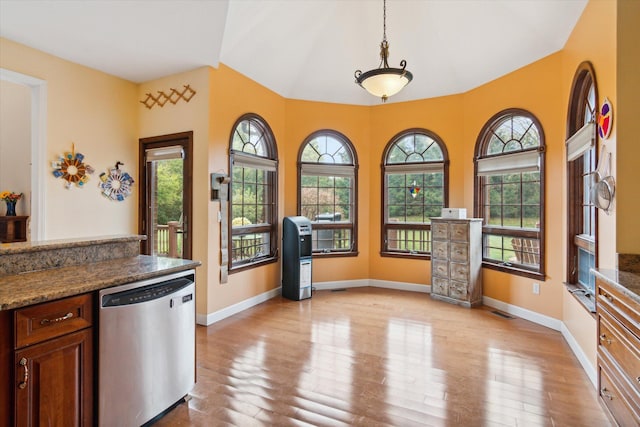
[{"x": 146, "y": 348}]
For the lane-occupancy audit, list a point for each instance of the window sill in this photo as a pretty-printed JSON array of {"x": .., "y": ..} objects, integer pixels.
[
  {"x": 405, "y": 255},
  {"x": 333, "y": 254},
  {"x": 514, "y": 270},
  {"x": 255, "y": 264},
  {"x": 583, "y": 296}
]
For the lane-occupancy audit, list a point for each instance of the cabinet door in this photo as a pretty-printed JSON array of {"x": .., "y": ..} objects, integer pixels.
[{"x": 54, "y": 381}]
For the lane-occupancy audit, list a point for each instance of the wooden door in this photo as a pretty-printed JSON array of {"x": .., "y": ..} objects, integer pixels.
[
  {"x": 166, "y": 176},
  {"x": 54, "y": 382}
]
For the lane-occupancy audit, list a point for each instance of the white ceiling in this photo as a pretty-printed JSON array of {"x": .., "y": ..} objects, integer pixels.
[{"x": 301, "y": 49}]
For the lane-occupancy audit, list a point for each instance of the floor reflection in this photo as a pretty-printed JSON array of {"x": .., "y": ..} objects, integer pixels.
[{"x": 379, "y": 357}]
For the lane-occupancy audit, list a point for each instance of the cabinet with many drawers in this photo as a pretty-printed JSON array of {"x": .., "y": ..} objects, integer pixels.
[
  {"x": 456, "y": 261},
  {"x": 618, "y": 352}
]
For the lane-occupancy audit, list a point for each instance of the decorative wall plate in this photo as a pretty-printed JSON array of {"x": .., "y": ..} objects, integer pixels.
[
  {"x": 116, "y": 184},
  {"x": 72, "y": 169},
  {"x": 605, "y": 119}
]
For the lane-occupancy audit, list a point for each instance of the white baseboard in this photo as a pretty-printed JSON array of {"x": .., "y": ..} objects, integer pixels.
[
  {"x": 401, "y": 286},
  {"x": 341, "y": 284},
  {"x": 589, "y": 369},
  {"x": 216, "y": 316},
  {"x": 523, "y": 313}
]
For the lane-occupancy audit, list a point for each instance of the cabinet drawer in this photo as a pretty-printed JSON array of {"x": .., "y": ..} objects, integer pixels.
[
  {"x": 439, "y": 286},
  {"x": 459, "y": 252},
  {"x": 41, "y": 322},
  {"x": 459, "y": 232},
  {"x": 440, "y": 268},
  {"x": 440, "y": 230},
  {"x": 440, "y": 249},
  {"x": 616, "y": 401},
  {"x": 622, "y": 346},
  {"x": 459, "y": 272},
  {"x": 458, "y": 290},
  {"x": 619, "y": 305}
]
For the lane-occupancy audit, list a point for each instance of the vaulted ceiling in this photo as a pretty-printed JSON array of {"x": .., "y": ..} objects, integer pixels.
[{"x": 301, "y": 49}]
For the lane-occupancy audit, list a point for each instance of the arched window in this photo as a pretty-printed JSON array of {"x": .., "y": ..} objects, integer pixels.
[
  {"x": 509, "y": 192},
  {"x": 253, "y": 215},
  {"x": 415, "y": 174},
  {"x": 581, "y": 162},
  {"x": 327, "y": 192}
]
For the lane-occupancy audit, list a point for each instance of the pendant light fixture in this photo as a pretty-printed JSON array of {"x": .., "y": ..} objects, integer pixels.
[{"x": 384, "y": 81}]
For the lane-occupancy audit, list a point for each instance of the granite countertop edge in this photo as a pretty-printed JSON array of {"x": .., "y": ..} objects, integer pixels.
[
  {"x": 625, "y": 282},
  {"x": 37, "y": 246},
  {"x": 24, "y": 289}
]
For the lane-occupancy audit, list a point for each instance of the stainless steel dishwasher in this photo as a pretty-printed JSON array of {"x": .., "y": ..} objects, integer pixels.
[{"x": 146, "y": 348}]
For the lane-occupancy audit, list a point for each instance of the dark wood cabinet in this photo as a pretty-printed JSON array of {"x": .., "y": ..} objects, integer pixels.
[
  {"x": 53, "y": 363},
  {"x": 54, "y": 382},
  {"x": 618, "y": 353},
  {"x": 13, "y": 229}
]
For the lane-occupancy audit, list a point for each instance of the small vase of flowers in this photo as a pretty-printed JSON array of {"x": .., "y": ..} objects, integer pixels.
[{"x": 10, "y": 198}]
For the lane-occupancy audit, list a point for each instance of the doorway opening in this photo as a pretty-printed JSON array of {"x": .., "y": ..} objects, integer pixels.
[{"x": 166, "y": 188}]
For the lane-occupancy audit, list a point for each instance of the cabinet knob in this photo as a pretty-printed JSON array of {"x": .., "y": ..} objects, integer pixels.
[
  {"x": 25, "y": 377},
  {"x": 604, "y": 338},
  {"x": 638, "y": 379},
  {"x": 605, "y": 393}
]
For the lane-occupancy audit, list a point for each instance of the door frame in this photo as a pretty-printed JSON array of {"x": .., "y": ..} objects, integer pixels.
[{"x": 185, "y": 139}]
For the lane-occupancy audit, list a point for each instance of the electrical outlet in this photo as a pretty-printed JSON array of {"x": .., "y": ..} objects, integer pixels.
[{"x": 536, "y": 288}]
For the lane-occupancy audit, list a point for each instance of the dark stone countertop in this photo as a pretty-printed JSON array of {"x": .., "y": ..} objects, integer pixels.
[
  {"x": 626, "y": 282},
  {"x": 20, "y": 290},
  {"x": 48, "y": 245}
]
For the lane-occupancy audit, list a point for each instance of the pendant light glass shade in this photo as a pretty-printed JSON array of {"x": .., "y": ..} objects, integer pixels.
[{"x": 384, "y": 81}]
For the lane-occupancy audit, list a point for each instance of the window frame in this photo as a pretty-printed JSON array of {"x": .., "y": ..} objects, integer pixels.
[
  {"x": 272, "y": 196},
  {"x": 583, "y": 79},
  {"x": 353, "y": 225},
  {"x": 480, "y": 153},
  {"x": 423, "y": 226}
]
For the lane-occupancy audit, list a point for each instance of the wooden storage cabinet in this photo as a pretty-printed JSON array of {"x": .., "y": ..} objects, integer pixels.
[
  {"x": 618, "y": 353},
  {"x": 456, "y": 261},
  {"x": 53, "y": 363}
]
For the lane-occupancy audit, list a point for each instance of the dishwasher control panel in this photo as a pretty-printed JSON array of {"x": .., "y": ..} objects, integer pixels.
[{"x": 145, "y": 293}]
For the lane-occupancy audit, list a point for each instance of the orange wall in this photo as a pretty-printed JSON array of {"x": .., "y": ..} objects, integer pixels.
[
  {"x": 440, "y": 115},
  {"x": 627, "y": 113},
  {"x": 534, "y": 88},
  {"x": 231, "y": 96},
  {"x": 303, "y": 118}
]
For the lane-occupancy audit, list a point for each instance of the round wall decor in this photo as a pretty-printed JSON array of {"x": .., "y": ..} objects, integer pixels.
[{"x": 116, "y": 184}]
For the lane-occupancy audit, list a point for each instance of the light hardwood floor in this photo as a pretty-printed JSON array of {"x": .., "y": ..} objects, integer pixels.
[{"x": 379, "y": 357}]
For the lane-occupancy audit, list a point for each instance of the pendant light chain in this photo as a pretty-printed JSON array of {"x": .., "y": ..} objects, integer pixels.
[{"x": 384, "y": 20}]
